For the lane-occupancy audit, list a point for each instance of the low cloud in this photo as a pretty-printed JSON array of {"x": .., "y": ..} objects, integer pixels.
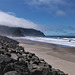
[{"x": 9, "y": 19}]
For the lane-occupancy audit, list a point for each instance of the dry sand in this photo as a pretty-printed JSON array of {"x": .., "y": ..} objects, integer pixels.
[{"x": 62, "y": 58}]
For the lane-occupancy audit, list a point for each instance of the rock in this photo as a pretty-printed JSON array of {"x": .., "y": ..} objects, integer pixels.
[
  {"x": 22, "y": 68},
  {"x": 36, "y": 72},
  {"x": 14, "y": 56},
  {"x": 2, "y": 51},
  {"x": 8, "y": 54},
  {"x": 9, "y": 67},
  {"x": 15, "y": 61},
  {"x": 4, "y": 59},
  {"x": 12, "y": 73}
]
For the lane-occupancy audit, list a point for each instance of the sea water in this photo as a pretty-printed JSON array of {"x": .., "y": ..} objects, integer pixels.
[{"x": 57, "y": 40}]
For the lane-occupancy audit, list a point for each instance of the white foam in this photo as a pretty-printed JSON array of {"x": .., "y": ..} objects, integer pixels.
[{"x": 59, "y": 41}]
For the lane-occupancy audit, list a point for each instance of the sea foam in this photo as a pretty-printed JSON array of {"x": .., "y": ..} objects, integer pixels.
[{"x": 58, "y": 41}]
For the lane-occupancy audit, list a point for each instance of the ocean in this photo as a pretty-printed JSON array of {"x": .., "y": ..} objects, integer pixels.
[{"x": 66, "y": 41}]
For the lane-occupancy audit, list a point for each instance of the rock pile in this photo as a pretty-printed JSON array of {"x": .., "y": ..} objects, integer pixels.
[{"x": 15, "y": 61}]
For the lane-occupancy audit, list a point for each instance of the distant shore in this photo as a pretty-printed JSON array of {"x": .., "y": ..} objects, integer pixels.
[{"x": 59, "y": 57}]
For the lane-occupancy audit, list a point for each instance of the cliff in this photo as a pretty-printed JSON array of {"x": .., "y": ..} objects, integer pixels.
[{"x": 18, "y": 31}]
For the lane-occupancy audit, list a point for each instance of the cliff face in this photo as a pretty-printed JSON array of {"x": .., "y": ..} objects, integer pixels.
[{"x": 17, "y": 31}]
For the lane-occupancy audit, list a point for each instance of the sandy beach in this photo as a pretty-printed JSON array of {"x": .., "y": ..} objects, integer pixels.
[{"x": 62, "y": 58}]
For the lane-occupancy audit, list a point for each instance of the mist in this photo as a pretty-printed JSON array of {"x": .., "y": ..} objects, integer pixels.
[{"x": 8, "y": 19}]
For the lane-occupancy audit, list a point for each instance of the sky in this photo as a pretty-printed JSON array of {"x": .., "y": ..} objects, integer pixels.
[{"x": 53, "y": 17}]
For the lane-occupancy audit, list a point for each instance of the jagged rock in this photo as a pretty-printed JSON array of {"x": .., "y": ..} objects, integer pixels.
[
  {"x": 4, "y": 59},
  {"x": 14, "y": 56},
  {"x": 9, "y": 67},
  {"x": 22, "y": 68},
  {"x": 12, "y": 73},
  {"x": 8, "y": 54},
  {"x": 2, "y": 51},
  {"x": 15, "y": 61}
]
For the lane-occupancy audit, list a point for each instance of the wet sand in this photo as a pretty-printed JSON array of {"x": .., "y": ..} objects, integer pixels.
[{"x": 62, "y": 58}]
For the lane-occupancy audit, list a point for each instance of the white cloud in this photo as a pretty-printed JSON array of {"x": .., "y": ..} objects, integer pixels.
[
  {"x": 46, "y": 2},
  {"x": 13, "y": 21},
  {"x": 50, "y": 5},
  {"x": 60, "y": 13}
]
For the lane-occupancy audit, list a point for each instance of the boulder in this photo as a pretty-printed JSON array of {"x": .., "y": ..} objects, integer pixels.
[
  {"x": 12, "y": 73},
  {"x": 14, "y": 60}
]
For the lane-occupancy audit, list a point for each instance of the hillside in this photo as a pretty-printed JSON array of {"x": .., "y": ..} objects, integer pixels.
[{"x": 18, "y": 31}]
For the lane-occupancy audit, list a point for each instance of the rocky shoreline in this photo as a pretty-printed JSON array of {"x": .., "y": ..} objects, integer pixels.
[{"x": 14, "y": 60}]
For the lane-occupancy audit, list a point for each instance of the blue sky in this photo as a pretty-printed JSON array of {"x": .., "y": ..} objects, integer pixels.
[{"x": 53, "y": 17}]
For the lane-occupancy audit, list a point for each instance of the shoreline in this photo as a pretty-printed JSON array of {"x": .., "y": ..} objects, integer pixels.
[
  {"x": 15, "y": 60},
  {"x": 50, "y": 43},
  {"x": 62, "y": 58},
  {"x": 53, "y": 43},
  {"x": 54, "y": 48}
]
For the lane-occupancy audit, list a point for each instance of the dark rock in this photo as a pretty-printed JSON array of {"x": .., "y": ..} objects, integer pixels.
[
  {"x": 12, "y": 73},
  {"x": 22, "y": 68},
  {"x": 4, "y": 59},
  {"x": 2, "y": 51},
  {"x": 8, "y": 54},
  {"x": 15, "y": 61},
  {"x": 9, "y": 67},
  {"x": 36, "y": 72}
]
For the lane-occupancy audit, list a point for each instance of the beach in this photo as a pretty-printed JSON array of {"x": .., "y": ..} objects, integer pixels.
[{"x": 59, "y": 57}]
